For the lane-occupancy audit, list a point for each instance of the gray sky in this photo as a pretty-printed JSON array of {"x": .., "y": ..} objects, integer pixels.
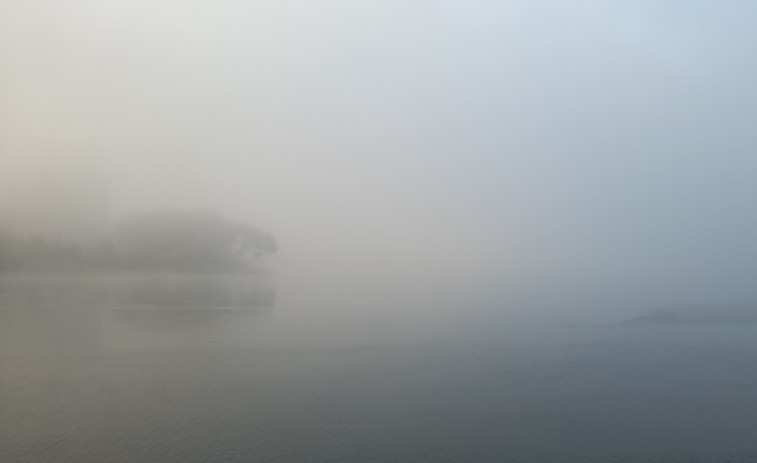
[{"x": 508, "y": 137}]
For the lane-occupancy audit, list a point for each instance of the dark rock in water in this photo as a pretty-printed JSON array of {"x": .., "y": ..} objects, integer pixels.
[{"x": 699, "y": 314}]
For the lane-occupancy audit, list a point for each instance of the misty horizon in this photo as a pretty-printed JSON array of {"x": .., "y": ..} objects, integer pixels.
[
  {"x": 391, "y": 231},
  {"x": 605, "y": 138}
]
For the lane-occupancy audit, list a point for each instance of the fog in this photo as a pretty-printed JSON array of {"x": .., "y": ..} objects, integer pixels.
[
  {"x": 370, "y": 231},
  {"x": 554, "y": 139}
]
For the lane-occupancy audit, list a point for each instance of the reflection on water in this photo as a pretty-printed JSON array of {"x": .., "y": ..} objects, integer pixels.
[
  {"x": 54, "y": 313},
  {"x": 151, "y": 292},
  {"x": 204, "y": 369}
]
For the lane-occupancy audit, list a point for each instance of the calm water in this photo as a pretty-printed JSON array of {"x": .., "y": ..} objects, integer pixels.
[{"x": 206, "y": 369}]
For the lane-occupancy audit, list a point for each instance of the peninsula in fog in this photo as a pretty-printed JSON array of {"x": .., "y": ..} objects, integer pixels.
[{"x": 161, "y": 240}]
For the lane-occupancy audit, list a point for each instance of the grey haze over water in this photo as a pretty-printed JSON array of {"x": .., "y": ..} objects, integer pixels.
[
  {"x": 507, "y": 230},
  {"x": 482, "y": 138}
]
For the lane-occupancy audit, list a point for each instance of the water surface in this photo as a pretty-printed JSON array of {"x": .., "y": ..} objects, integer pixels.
[{"x": 237, "y": 369}]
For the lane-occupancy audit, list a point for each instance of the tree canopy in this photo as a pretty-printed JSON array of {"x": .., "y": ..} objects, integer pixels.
[{"x": 178, "y": 240}]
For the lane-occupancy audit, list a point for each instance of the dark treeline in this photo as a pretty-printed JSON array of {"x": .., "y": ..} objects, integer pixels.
[{"x": 168, "y": 240}]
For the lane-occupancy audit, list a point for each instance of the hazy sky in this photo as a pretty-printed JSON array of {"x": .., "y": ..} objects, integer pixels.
[{"x": 473, "y": 137}]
